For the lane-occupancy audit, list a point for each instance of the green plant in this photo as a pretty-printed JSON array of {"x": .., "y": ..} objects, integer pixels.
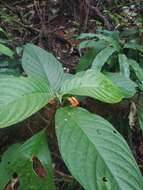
[
  {"x": 117, "y": 55},
  {"x": 4, "y": 50},
  {"x": 109, "y": 48},
  {"x": 93, "y": 150},
  {"x": 9, "y": 64}
]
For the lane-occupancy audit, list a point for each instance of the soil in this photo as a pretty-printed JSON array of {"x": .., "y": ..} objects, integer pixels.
[{"x": 55, "y": 34}]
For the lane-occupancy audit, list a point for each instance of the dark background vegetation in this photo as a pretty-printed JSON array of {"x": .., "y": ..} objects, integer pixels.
[{"x": 52, "y": 25}]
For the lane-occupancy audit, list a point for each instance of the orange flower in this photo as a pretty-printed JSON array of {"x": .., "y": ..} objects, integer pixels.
[{"x": 74, "y": 102}]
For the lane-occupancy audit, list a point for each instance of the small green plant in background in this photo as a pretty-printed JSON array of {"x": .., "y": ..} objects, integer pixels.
[
  {"x": 95, "y": 153},
  {"x": 119, "y": 56},
  {"x": 109, "y": 49},
  {"x": 4, "y": 50},
  {"x": 9, "y": 62}
]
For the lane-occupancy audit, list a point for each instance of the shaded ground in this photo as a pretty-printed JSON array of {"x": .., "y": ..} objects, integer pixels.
[{"x": 45, "y": 26}]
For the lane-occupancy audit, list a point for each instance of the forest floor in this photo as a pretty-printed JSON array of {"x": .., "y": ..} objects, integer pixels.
[{"x": 23, "y": 24}]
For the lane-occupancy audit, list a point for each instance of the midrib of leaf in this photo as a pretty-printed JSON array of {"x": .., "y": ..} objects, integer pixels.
[
  {"x": 27, "y": 95},
  {"x": 98, "y": 93},
  {"x": 79, "y": 139},
  {"x": 90, "y": 142},
  {"x": 97, "y": 87},
  {"x": 38, "y": 59},
  {"x": 45, "y": 77}
]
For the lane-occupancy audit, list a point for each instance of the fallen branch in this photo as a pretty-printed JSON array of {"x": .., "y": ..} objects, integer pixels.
[
  {"x": 99, "y": 14},
  {"x": 65, "y": 176}
]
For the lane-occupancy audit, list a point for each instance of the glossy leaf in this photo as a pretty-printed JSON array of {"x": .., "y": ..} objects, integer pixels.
[
  {"x": 127, "y": 86},
  {"x": 39, "y": 63},
  {"x": 93, "y": 84},
  {"x": 98, "y": 45},
  {"x": 102, "y": 57},
  {"x": 130, "y": 33},
  {"x": 112, "y": 42},
  {"x": 124, "y": 65},
  {"x": 19, "y": 159},
  {"x": 86, "y": 61},
  {"x": 86, "y": 35},
  {"x": 21, "y": 97},
  {"x": 137, "y": 69},
  {"x": 113, "y": 34},
  {"x": 6, "y": 51},
  {"x": 2, "y": 30},
  {"x": 95, "y": 153},
  {"x": 67, "y": 76},
  {"x": 134, "y": 46},
  {"x": 8, "y": 71}
]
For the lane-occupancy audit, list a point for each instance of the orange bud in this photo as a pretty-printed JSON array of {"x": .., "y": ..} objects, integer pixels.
[{"x": 74, "y": 102}]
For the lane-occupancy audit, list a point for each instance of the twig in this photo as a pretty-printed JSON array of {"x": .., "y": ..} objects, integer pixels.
[
  {"x": 31, "y": 28},
  {"x": 8, "y": 7},
  {"x": 14, "y": 12},
  {"x": 98, "y": 13},
  {"x": 65, "y": 176}
]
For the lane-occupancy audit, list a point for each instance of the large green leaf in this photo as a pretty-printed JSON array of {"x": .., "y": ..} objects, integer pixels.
[
  {"x": 6, "y": 51},
  {"x": 113, "y": 34},
  {"x": 112, "y": 42},
  {"x": 20, "y": 97},
  {"x": 134, "y": 46},
  {"x": 39, "y": 63},
  {"x": 95, "y": 153},
  {"x": 98, "y": 45},
  {"x": 19, "y": 159},
  {"x": 2, "y": 30},
  {"x": 124, "y": 65},
  {"x": 127, "y": 86},
  {"x": 86, "y": 61},
  {"x": 86, "y": 35},
  {"x": 137, "y": 69},
  {"x": 93, "y": 84},
  {"x": 102, "y": 57}
]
